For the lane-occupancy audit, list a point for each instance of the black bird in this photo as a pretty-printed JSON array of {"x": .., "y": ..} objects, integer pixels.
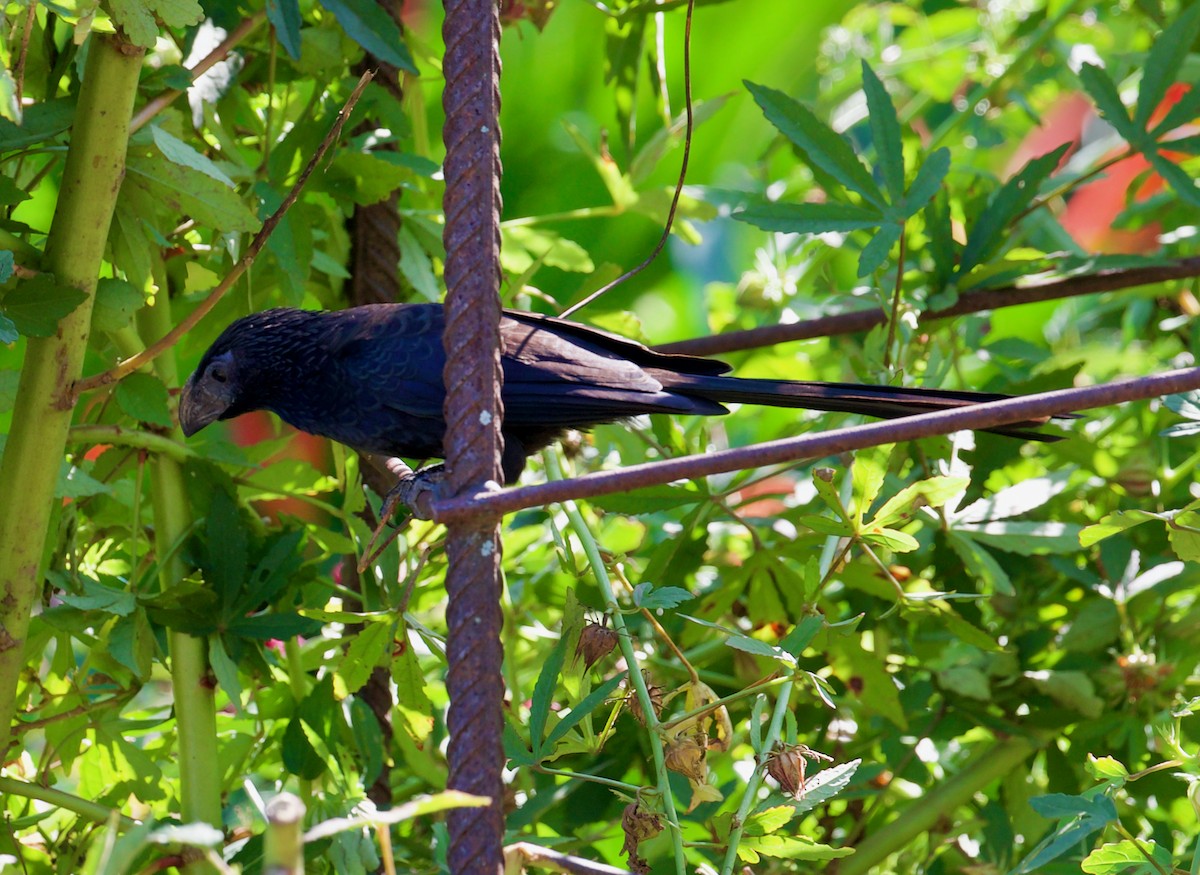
[{"x": 371, "y": 378}]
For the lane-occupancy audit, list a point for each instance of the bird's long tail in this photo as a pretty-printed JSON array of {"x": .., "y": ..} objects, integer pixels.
[{"x": 882, "y": 402}]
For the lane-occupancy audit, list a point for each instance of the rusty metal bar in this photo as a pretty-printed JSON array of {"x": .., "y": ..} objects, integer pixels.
[
  {"x": 473, "y": 415},
  {"x": 969, "y": 302},
  {"x": 820, "y": 445}
]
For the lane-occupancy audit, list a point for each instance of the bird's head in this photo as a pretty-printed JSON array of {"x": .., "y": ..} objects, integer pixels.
[
  {"x": 210, "y": 392},
  {"x": 242, "y": 368}
]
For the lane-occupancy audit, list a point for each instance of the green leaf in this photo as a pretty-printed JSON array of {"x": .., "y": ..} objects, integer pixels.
[
  {"x": 664, "y": 138},
  {"x": 991, "y": 229},
  {"x": 1128, "y": 857},
  {"x": 1108, "y": 100},
  {"x": 933, "y": 492},
  {"x": 966, "y": 680},
  {"x": 649, "y": 500},
  {"x": 885, "y": 131},
  {"x": 523, "y": 246},
  {"x": 264, "y": 627},
  {"x": 808, "y": 218},
  {"x": 1060, "y": 806},
  {"x": 11, "y": 194},
  {"x": 299, "y": 756},
  {"x": 1025, "y": 538},
  {"x": 802, "y": 635},
  {"x": 116, "y": 302},
  {"x": 1180, "y": 113},
  {"x": 137, "y": 17},
  {"x": 40, "y": 122},
  {"x": 543, "y": 695},
  {"x": 928, "y": 182},
  {"x": 821, "y": 145},
  {"x": 1106, "y": 768},
  {"x": 1016, "y": 499},
  {"x": 36, "y": 305},
  {"x": 1074, "y": 689},
  {"x": 367, "y": 650},
  {"x": 409, "y": 680},
  {"x": 1179, "y": 179},
  {"x": 98, "y": 597},
  {"x": 7, "y": 264},
  {"x": 788, "y": 848},
  {"x": 284, "y": 16},
  {"x": 981, "y": 565},
  {"x": 183, "y": 191},
  {"x": 179, "y": 152},
  {"x": 586, "y": 706},
  {"x": 890, "y": 539},
  {"x": 367, "y": 24},
  {"x": 758, "y": 648},
  {"x": 824, "y": 785},
  {"x": 1164, "y": 61},
  {"x": 1184, "y": 534},
  {"x": 662, "y": 598},
  {"x": 144, "y": 398},
  {"x": 866, "y": 477},
  {"x": 1115, "y": 523},
  {"x": 875, "y": 253},
  {"x": 226, "y": 670}
]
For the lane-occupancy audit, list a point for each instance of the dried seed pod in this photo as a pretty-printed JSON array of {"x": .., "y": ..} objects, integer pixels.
[
  {"x": 596, "y": 641},
  {"x": 787, "y": 764},
  {"x": 685, "y": 755},
  {"x": 634, "y": 704},
  {"x": 639, "y": 825}
]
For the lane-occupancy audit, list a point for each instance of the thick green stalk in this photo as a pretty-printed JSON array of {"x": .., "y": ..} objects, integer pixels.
[
  {"x": 990, "y": 764},
  {"x": 195, "y": 705},
  {"x": 92, "y": 176}
]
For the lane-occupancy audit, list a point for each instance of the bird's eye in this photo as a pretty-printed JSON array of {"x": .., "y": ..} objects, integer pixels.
[{"x": 218, "y": 373}]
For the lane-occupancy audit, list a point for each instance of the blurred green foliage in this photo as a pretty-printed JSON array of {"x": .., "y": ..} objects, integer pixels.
[{"x": 994, "y": 642}]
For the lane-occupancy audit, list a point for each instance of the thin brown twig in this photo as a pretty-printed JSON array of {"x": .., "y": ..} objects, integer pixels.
[
  {"x": 218, "y": 54},
  {"x": 190, "y": 321},
  {"x": 891, "y": 337},
  {"x": 683, "y": 166},
  {"x": 968, "y": 302},
  {"x": 19, "y": 67},
  {"x": 816, "y": 446}
]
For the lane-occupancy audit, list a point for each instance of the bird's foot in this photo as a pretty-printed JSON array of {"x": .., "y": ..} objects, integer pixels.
[{"x": 416, "y": 490}]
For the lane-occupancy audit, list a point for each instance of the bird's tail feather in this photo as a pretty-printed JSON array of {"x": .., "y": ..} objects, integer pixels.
[{"x": 882, "y": 402}]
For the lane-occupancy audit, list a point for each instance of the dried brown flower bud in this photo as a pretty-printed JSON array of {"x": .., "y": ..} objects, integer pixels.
[{"x": 596, "y": 641}]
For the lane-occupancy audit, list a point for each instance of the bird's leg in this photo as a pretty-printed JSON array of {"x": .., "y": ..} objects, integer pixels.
[{"x": 414, "y": 490}]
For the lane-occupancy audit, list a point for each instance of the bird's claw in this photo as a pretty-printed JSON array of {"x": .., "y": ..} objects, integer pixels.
[{"x": 416, "y": 490}]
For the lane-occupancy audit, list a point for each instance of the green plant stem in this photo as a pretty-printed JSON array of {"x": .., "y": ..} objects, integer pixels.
[
  {"x": 74, "y": 250},
  {"x": 709, "y": 707},
  {"x": 195, "y": 706},
  {"x": 83, "y": 807},
  {"x": 751, "y": 792},
  {"x": 625, "y": 641},
  {"x": 989, "y": 764},
  {"x": 595, "y": 779},
  {"x": 121, "y": 436}
]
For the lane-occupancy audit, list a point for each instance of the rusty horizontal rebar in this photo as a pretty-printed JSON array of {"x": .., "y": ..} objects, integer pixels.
[
  {"x": 969, "y": 302},
  {"x": 816, "y": 446}
]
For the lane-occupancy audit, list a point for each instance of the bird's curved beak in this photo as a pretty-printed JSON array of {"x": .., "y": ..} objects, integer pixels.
[{"x": 198, "y": 407}]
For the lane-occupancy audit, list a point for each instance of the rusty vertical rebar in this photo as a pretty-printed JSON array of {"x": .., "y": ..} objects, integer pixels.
[{"x": 473, "y": 413}]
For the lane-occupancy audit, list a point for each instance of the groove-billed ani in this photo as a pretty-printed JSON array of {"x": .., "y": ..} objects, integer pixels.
[{"x": 371, "y": 377}]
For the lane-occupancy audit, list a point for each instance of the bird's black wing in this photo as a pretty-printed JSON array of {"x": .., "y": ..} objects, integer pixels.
[{"x": 560, "y": 374}]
